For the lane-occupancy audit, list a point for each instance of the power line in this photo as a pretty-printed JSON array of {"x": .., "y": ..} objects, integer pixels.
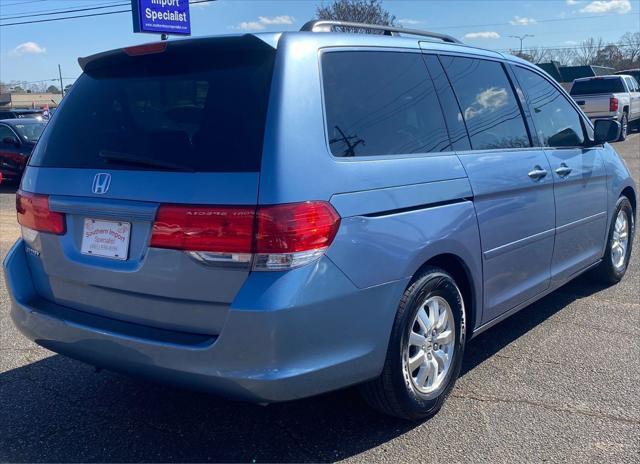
[
  {"x": 86, "y": 15},
  {"x": 67, "y": 17},
  {"x": 66, "y": 10},
  {"x": 22, "y": 3},
  {"x": 547, "y": 20},
  {"x": 568, "y": 47}
]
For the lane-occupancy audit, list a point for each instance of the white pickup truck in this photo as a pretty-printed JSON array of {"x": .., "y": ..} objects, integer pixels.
[{"x": 609, "y": 97}]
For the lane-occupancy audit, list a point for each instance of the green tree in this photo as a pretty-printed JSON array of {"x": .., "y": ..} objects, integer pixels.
[{"x": 53, "y": 89}]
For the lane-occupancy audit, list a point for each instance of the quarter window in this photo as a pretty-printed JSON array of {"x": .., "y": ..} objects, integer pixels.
[
  {"x": 556, "y": 120},
  {"x": 488, "y": 104},
  {"x": 381, "y": 103}
]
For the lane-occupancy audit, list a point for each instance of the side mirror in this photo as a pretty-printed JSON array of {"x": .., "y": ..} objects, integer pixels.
[
  {"x": 606, "y": 130},
  {"x": 11, "y": 141}
]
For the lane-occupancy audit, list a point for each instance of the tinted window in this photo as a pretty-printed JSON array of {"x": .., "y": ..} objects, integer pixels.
[
  {"x": 449, "y": 104},
  {"x": 488, "y": 104},
  {"x": 6, "y": 115},
  {"x": 556, "y": 120},
  {"x": 30, "y": 131},
  {"x": 5, "y": 132},
  {"x": 380, "y": 103},
  {"x": 598, "y": 85},
  {"x": 170, "y": 110}
]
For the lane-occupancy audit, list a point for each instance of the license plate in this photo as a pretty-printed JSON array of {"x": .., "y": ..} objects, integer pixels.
[{"x": 107, "y": 239}]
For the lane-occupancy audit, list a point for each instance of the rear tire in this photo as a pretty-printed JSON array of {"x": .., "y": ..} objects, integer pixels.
[
  {"x": 404, "y": 389},
  {"x": 616, "y": 257},
  {"x": 624, "y": 127}
]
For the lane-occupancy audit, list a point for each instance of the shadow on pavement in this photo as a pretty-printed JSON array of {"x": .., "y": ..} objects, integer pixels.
[{"x": 59, "y": 410}]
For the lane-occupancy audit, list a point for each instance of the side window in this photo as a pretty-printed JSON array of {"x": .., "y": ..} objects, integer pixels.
[
  {"x": 381, "y": 103},
  {"x": 557, "y": 121},
  {"x": 488, "y": 104},
  {"x": 452, "y": 114},
  {"x": 4, "y": 133}
]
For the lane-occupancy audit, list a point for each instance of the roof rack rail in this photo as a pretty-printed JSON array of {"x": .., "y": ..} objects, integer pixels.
[{"x": 322, "y": 25}]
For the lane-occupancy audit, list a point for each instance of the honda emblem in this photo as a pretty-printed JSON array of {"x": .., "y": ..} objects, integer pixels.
[{"x": 101, "y": 183}]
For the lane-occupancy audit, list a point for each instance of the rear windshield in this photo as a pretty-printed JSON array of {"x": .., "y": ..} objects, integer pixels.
[
  {"x": 30, "y": 131},
  {"x": 193, "y": 107},
  {"x": 590, "y": 86}
]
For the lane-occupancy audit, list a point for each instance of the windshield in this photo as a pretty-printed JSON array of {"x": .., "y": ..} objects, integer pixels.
[
  {"x": 598, "y": 85},
  {"x": 196, "y": 107},
  {"x": 30, "y": 132}
]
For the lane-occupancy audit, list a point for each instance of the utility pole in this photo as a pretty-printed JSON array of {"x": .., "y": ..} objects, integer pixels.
[
  {"x": 61, "y": 85},
  {"x": 521, "y": 39}
]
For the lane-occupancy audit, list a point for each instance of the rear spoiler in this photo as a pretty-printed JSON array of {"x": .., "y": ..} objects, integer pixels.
[{"x": 201, "y": 45}]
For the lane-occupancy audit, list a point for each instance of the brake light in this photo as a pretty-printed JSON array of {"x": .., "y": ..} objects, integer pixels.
[
  {"x": 34, "y": 213},
  {"x": 613, "y": 104},
  {"x": 203, "y": 228},
  {"x": 146, "y": 49},
  {"x": 273, "y": 237}
]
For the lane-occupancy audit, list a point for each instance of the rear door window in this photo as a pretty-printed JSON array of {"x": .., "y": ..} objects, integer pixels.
[
  {"x": 489, "y": 106},
  {"x": 381, "y": 103},
  {"x": 557, "y": 121},
  {"x": 193, "y": 107}
]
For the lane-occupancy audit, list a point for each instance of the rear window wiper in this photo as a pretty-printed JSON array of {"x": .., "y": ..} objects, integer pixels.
[{"x": 128, "y": 158}]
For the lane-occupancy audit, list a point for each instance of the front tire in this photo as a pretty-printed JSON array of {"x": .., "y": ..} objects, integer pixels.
[
  {"x": 425, "y": 350},
  {"x": 619, "y": 244}
]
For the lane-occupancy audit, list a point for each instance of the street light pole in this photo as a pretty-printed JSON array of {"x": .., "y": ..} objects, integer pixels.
[
  {"x": 521, "y": 39},
  {"x": 61, "y": 85}
]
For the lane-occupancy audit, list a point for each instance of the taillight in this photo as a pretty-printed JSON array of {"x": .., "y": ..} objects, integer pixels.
[
  {"x": 273, "y": 237},
  {"x": 203, "y": 228},
  {"x": 613, "y": 104},
  {"x": 34, "y": 213}
]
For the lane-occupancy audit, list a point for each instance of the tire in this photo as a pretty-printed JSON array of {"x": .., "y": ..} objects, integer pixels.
[
  {"x": 396, "y": 392},
  {"x": 608, "y": 272},
  {"x": 624, "y": 127}
]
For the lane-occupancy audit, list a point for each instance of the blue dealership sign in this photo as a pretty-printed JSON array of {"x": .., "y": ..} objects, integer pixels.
[{"x": 161, "y": 16}]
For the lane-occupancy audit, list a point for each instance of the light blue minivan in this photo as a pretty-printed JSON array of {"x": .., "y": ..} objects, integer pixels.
[{"x": 274, "y": 216}]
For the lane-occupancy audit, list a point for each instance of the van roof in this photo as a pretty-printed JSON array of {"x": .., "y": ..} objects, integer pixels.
[{"x": 397, "y": 37}]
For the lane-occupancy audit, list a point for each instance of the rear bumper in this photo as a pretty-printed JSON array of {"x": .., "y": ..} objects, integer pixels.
[{"x": 287, "y": 335}]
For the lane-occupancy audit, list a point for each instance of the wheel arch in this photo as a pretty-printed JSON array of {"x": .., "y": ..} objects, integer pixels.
[
  {"x": 631, "y": 195},
  {"x": 461, "y": 273}
]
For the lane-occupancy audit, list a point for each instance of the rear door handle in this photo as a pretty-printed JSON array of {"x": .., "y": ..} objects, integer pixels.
[
  {"x": 563, "y": 170},
  {"x": 537, "y": 173}
]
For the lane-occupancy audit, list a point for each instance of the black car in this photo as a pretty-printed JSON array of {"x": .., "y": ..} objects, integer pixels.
[
  {"x": 20, "y": 114},
  {"x": 17, "y": 139}
]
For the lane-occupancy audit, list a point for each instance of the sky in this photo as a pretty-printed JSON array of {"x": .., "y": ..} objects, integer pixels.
[{"x": 32, "y": 52}]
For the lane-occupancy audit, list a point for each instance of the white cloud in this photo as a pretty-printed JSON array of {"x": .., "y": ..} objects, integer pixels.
[
  {"x": 28, "y": 48},
  {"x": 482, "y": 35},
  {"x": 264, "y": 21},
  {"x": 410, "y": 21},
  {"x": 607, "y": 6},
  {"x": 518, "y": 21},
  {"x": 572, "y": 2}
]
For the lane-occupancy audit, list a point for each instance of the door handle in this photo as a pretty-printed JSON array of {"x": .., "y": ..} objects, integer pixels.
[
  {"x": 563, "y": 170},
  {"x": 537, "y": 173}
]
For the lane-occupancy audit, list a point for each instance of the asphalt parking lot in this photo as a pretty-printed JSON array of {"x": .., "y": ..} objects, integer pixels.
[{"x": 558, "y": 382}]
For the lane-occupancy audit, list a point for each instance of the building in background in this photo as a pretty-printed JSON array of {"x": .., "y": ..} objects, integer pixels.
[{"x": 29, "y": 100}]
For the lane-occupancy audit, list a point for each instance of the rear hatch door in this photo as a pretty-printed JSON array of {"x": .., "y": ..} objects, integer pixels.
[{"x": 177, "y": 124}]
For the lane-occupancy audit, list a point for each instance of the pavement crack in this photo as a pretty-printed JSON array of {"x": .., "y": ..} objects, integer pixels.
[{"x": 549, "y": 407}]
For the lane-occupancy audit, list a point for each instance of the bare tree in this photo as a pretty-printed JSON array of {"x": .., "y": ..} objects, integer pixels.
[
  {"x": 564, "y": 56},
  {"x": 588, "y": 50},
  {"x": 358, "y": 11},
  {"x": 630, "y": 42},
  {"x": 534, "y": 55},
  {"x": 611, "y": 56}
]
